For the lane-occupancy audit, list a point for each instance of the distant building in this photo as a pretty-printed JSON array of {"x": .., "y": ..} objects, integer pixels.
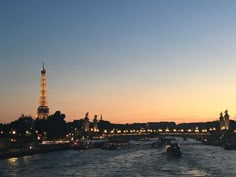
[
  {"x": 160, "y": 124},
  {"x": 43, "y": 110},
  {"x": 86, "y": 123},
  {"x": 101, "y": 118}
]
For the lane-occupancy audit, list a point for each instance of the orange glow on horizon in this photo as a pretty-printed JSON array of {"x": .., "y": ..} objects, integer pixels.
[{"x": 186, "y": 103}]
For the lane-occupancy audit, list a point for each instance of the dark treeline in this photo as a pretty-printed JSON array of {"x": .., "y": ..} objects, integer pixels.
[{"x": 26, "y": 127}]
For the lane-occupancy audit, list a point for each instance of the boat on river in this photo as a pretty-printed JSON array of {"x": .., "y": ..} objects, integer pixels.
[
  {"x": 116, "y": 143},
  {"x": 230, "y": 146},
  {"x": 173, "y": 149},
  {"x": 83, "y": 145}
]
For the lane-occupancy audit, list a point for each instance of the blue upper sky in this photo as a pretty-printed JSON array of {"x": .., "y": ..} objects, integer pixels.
[{"x": 131, "y": 60}]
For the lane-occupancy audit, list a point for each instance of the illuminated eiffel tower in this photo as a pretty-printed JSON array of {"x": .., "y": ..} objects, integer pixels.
[{"x": 43, "y": 110}]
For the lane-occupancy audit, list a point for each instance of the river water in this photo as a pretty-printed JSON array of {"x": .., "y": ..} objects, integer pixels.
[{"x": 140, "y": 160}]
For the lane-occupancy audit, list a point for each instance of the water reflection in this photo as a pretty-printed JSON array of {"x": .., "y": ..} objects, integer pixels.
[
  {"x": 196, "y": 172},
  {"x": 141, "y": 160},
  {"x": 13, "y": 161},
  {"x": 27, "y": 159}
]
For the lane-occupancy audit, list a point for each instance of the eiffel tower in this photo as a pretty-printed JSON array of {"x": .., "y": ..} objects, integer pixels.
[{"x": 43, "y": 110}]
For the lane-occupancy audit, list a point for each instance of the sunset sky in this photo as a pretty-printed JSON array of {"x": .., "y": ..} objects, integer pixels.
[{"x": 129, "y": 60}]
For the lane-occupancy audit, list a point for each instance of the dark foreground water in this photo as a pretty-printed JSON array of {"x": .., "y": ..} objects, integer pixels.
[{"x": 141, "y": 160}]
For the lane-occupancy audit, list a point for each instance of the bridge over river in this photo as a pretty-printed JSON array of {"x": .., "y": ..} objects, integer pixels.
[{"x": 146, "y": 136}]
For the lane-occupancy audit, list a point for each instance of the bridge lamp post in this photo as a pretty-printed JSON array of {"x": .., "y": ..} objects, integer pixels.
[{"x": 196, "y": 130}]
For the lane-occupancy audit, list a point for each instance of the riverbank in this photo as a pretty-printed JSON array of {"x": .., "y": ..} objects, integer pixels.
[
  {"x": 45, "y": 148},
  {"x": 19, "y": 152}
]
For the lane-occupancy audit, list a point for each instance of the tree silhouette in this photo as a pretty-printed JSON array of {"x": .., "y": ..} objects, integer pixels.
[
  {"x": 22, "y": 125},
  {"x": 56, "y": 126}
]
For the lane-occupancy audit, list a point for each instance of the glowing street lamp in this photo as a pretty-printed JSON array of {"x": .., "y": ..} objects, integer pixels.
[{"x": 196, "y": 130}]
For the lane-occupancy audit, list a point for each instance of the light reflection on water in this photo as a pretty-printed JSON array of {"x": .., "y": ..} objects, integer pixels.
[
  {"x": 12, "y": 161},
  {"x": 196, "y": 173},
  {"x": 141, "y": 160}
]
